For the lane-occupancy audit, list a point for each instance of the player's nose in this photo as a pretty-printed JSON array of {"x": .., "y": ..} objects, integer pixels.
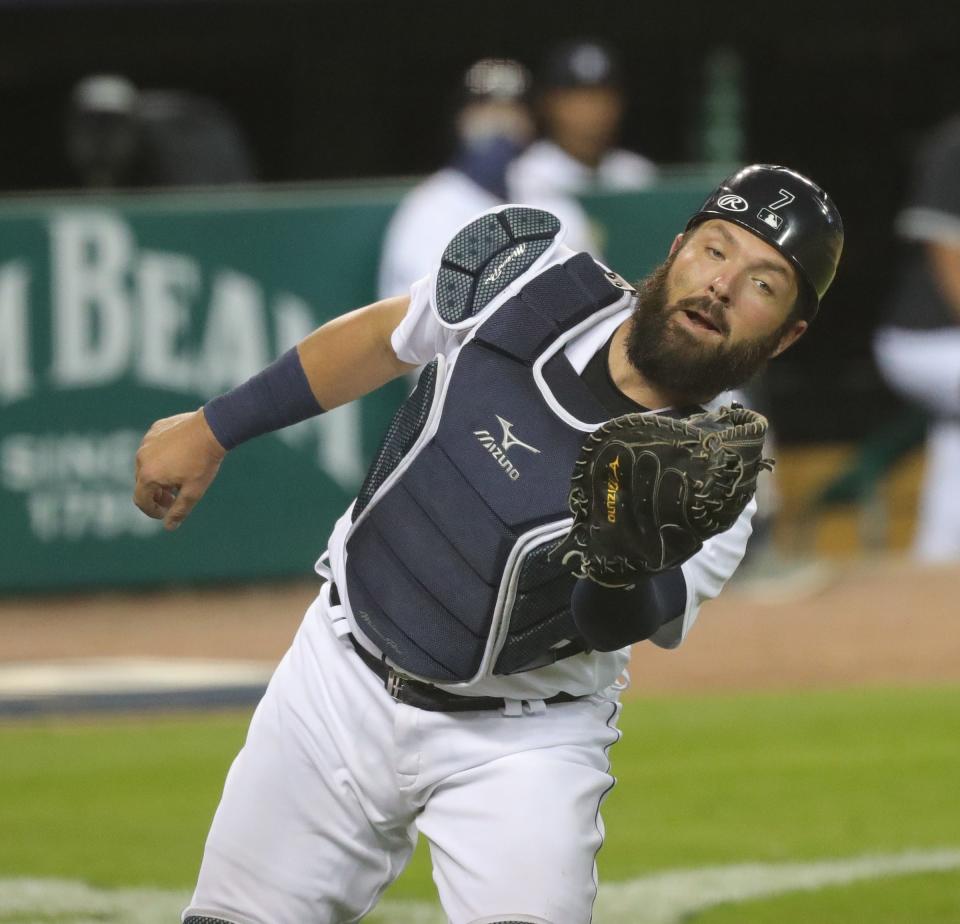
[{"x": 719, "y": 288}]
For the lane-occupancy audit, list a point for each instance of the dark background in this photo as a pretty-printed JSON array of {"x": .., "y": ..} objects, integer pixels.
[{"x": 337, "y": 89}]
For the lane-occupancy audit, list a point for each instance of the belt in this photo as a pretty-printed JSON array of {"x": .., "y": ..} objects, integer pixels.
[{"x": 426, "y": 696}]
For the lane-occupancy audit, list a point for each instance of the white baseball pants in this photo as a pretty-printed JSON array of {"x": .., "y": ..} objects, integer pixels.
[{"x": 321, "y": 809}]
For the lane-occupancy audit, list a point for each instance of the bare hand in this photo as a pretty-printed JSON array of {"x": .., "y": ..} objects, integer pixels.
[{"x": 175, "y": 464}]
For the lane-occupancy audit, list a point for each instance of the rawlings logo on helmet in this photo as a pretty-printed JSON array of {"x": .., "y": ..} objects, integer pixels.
[{"x": 733, "y": 203}]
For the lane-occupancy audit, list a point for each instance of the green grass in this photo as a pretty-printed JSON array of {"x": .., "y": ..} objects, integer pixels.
[
  {"x": 926, "y": 899},
  {"x": 783, "y": 777},
  {"x": 702, "y": 780},
  {"x": 114, "y": 803}
]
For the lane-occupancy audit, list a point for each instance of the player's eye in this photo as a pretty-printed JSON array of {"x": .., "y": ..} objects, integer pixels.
[
  {"x": 763, "y": 286},
  {"x": 715, "y": 253}
]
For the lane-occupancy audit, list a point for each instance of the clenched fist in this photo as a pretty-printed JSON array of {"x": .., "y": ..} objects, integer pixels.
[{"x": 175, "y": 464}]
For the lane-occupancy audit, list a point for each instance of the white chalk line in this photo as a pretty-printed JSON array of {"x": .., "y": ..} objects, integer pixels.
[{"x": 662, "y": 898}]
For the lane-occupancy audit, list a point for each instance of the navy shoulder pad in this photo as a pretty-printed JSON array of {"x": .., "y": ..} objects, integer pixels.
[{"x": 486, "y": 256}]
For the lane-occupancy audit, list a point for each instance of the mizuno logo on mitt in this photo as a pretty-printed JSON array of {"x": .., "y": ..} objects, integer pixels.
[{"x": 613, "y": 487}]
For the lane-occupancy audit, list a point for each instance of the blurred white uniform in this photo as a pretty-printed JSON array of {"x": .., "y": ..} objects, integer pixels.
[{"x": 545, "y": 169}]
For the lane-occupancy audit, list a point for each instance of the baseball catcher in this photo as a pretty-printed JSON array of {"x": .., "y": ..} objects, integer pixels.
[
  {"x": 453, "y": 678},
  {"x": 648, "y": 490}
]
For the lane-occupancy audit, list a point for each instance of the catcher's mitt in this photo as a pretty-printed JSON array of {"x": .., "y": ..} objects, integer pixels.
[{"x": 648, "y": 490}]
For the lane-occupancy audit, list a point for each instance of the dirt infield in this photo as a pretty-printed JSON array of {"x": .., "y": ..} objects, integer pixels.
[{"x": 885, "y": 621}]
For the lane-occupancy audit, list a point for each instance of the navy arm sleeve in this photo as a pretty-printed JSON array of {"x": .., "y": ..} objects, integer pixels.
[
  {"x": 609, "y": 618},
  {"x": 275, "y": 398}
]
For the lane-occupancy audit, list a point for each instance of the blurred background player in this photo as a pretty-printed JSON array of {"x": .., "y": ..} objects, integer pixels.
[
  {"x": 118, "y": 136},
  {"x": 102, "y": 137},
  {"x": 580, "y": 105},
  {"x": 491, "y": 126},
  {"x": 918, "y": 345}
]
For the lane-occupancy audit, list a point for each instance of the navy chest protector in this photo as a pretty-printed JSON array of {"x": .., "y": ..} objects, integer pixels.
[{"x": 447, "y": 570}]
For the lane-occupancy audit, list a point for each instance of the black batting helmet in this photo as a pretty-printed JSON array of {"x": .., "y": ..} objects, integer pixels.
[{"x": 790, "y": 212}]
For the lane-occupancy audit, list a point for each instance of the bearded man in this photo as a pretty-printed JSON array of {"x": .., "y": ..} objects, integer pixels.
[{"x": 453, "y": 677}]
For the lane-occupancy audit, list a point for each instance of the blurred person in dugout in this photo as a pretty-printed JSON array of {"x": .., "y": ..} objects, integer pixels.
[
  {"x": 918, "y": 344},
  {"x": 579, "y": 106},
  {"x": 491, "y": 125},
  {"x": 118, "y": 136}
]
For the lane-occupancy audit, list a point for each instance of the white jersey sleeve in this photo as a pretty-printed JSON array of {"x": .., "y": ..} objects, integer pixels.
[{"x": 420, "y": 336}]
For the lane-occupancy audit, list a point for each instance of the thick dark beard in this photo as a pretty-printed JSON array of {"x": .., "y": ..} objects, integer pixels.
[{"x": 676, "y": 360}]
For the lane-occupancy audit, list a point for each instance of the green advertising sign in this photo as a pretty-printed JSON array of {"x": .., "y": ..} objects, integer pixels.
[{"x": 115, "y": 312}]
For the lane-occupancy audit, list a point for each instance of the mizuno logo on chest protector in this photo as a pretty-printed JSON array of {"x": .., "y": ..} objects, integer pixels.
[
  {"x": 499, "y": 450},
  {"x": 509, "y": 439}
]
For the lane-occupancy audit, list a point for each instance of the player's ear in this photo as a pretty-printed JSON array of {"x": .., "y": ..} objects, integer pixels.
[
  {"x": 790, "y": 337},
  {"x": 675, "y": 246}
]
